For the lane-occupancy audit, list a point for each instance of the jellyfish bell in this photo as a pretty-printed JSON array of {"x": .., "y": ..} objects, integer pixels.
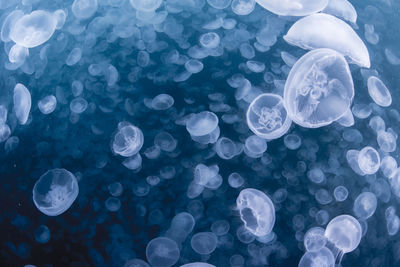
[
  {"x": 55, "y": 191},
  {"x": 128, "y": 140},
  {"x": 267, "y": 117},
  {"x": 293, "y": 7},
  {"x": 322, "y": 257},
  {"x": 319, "y": 89}
]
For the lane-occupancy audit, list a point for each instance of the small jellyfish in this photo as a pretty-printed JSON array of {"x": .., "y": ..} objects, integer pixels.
[
  {"x": 194, "y": 66},
  {"x": 314, "y": 239},
  {"x": 388, "y": 166},
  {"x": 227, "y": 149},
  {"x": 204, "y": 243},
  {"x": 386, "y": 141},
  {"x": 42, "y": 234},
  {"x": 115, "y": 189},
  {"x": 197, "y": 264},
  {"x": 326, "y": 31},
  {"x": 220, "y": 227},
  {"x": 47, "y": 104},
  {"x": 255, "y": 146},
  {"x": 344, "y": 231},
  {"x": 340, "y": 193},
  {"x": 165, "y": 141},
  {"x": 256, "y": 211},
  {"x": 219, "y": 4},
  {"x": 320, "y": 258},
  {"x": 136, "y": 263},
  {"x": 162, "y": 102},
  {"x": 210, "y": 40},
  {"x": 55, "y": 191},
  {"x": 319, "y": 89},
  {"x": 235, "y": 180},
  {"x": 18, "y": 54},
  {"x": 293, "y": 7},
  {"x": 316, "y": 175},
  {"x": 162, "y": 252},
  {"x": 128, "y": 140},
  {"x": 78, "y": 105},
  {"x": 146, "y": 5},
  {"x": 203, "y": 127},
  {"x": 181, "y": 226},
  {"x": 292, "y": 141},
  {"x": 365, "y": 205},
  {"x": 33, "y": 29},
  {"x": 243, "y": 7},
  {"x": 74, "y": 56},
  {"x": 368, "y": 160},
  {"x": 84, "y": 9},
  {"x": 113, "y": 204},
  {"x": 379, "y": 92},
  {"x": 22, "y": 103},
  {"x": 267, "y": 117}
]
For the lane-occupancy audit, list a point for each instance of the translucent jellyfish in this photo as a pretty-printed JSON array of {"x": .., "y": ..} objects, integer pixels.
[
  {"x": 243, "y": 7},
  {"x": 219, "y": 4},
  {"x": 392, "y": 57},
  {"x": 255, "y": 146},
  {"x": 388, "y": 166},
  {"x": 33, "y": 29},
  {"x": 292, "y": 141},
  {"x": 162, "y": 252},
  {"x": 220, "y": 227},
  {"x": 369, "y": 160},
  {"x": 344, "y": 232},
  {"x": 340, "y": 193},
  {"x": 293, "y": 7},
  {"x": 22, "y": 103},
  {"x": 74, "y": 56},
  {"x": 128, "y": 140},
  {"x": 255, "y": 66},
  {"x": 113, "y": 204},
  {"x": 365, "y": 205},
  {"x": 18, "y": 54},
  {"x": 181, "y": 226},
  {"x": 5, "y": 132},
  {"x": 204, "y": 243},
  {"x": 379, "y": 92},
  {"x": 136, "y": 263},
  {"x": 235, "y": 180},
  {"x": 198, "y": 264},
  {"x": 165, "y": 141},
  {"x": 47, "y": 104},
  {"x": 146, "y": 5},
  {"x": 316, "y": 175},
  {"x": 386, "y": 141},
  {"x": 203, "y": 127},
  {"x": 227, "y": 149},
  {"x": 343, "y": 9},
  {"x": 392, "y": 221},
  {"x": 370, "y": 35},
  {"x": 319, "y": 89},
  {"x": 352, "y": 160},
  {"x": 322, "y": 258},
  {"x": 314, "y": 239},
  {"x": 115, "y": 189},
  {"x": 256, "y": 211},
  {"x": 84, "y": 9},
  {"x": 78, "y": 105},
  {"x": 194, "y": 66},
  {"x": 8, "y": 23},
  {"x": 210, "y": 40},
  {"x": 267, "y": 116},
  {"x": 162, "y": 102},
  {"x": 55, "y": 191},
  {"x": 326, "y": 31},
  {"x": 42, "y": 234}
]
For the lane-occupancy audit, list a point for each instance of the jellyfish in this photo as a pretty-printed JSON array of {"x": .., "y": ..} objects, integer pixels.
[
  {"x": 204, "y": 243},
  {"x": 365, "y": 205},
  {"x": 78, "y": 105},
  {"x": 33, "y": 29},
  {"x": 314, "y": 239},
  {"x": 267, "y": 117},
  {"x": 220, "y": 227},
  {"x": 22, "y": 103},
  {"x": 326, "y": 31},
  {"x": 368, "y": 160},
  {"x": 243, "y": 7},
  {"x": 146, "y": 5},
  {"x": 181, "y": 226},
  {"x": 47, "y": 104},
  {"x": 344, "y": 234},
  {"x": 292, "y": 141},
  {"x": 203, "y": 127},
  {"x": 343, "y": 9},
  {"x": 379, "y": 92},
  {"x": 162, "y": 102},
  {"x": 55, "y": 191},
  {"x": 128, "y": 140},
  {"x": 197, "y": 264},
  {"x": 136, "y": 263},
  {"x": 340, "y": 193},
  {"x": 320, "y": 258},
  {"x": 162, "y": 252},
  {"x": 210, "y": 40},
  {"x": 235, "y": 180},
  {"x": 319, "y": 89},
  {"x": 293, "y": 7},
  {"x": 219, "y": 4},
  {"x": 42, "y": 234},
  {"x": 256, "y": 211},
  {"x": 227, "y": 149},
  {"x": 84, "y": 9}
]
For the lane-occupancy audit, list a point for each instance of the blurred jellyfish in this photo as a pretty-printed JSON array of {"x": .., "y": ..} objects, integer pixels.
[
  {"x": 340, "y": 193},
  {"x": 292, "y": 141},
  {"x": 113, "y": 204},
  {"x": 136, "y": 263},
  {"x": 162, "y": 102},
  {"x": 115, "y": 189},
  {"x": 314, "y": 239},
  {"x": 55, "y": 191},
  {"x": 181, "y": 226},
  {"x": 235, "y": 180},
  {"x": 220, "y": 227},
  {"x": 319, "y": 89},
  {"x": 22, "y": 103},
  {"x": 368, "y": 160},
  {"x": 344, "y": 232},
  {"x": 84, "y": 9},
  {"x": 42, "y": 234},
  {"x": 365, "y": 205},
  {"x": 204, "y": 243},
  {"x": 227, "y": 149},
  {"x": 386, "y": 141},
  {"x": 162, "y": 252},
  {"x": 146, "y": 5},
  {"x": 219, "y": 4},
  {"x": 255, "y": 146},
  {"x": 47, "y": 104},
  {"x": 203, "y": 127},
  {"x": 322, "y": 257},
  {"x": 267, "y": 116},
  {"x": 78, "y": 105},
  {"x": 128, "y": 140},
  {"x": 256, "y": 211},
  {"x": 293, "y": 7},
  {"x": 343, "y": 9},
  {"x": 197, "y": 264},
  {"x": 243, "y": 7},
  {"x": 210, "y": 40},
  {"x": 379, "y": 92},
  {"x": 165, "y": 141},
  {"x": 388, "y": 166}
]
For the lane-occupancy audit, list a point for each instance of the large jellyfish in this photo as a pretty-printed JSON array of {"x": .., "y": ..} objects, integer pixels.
[
  {"x": 293, "y": 7},
  {"x": 55, "y": 191},
  {"x": 319, "y": 89},
  {"x": 267, "y": 116},
  {"x": 162, "y": 252},
  {"x": 326, "y": 31},
  {"x": 320, "y": 258},
  {"x": 256, "y": 211}
]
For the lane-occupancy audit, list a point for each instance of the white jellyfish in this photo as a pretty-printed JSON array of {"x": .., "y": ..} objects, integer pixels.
[
  {"x": 210, "y": 40},
  {"x": 33, "y": 29},
  {"x": 162, "y": 102},
  {"x": 326, "y": 31},
  {"x": 255, "y": 146},
  {"x": 319, "y": 89},
  {"x": 136, "y": 263},
  {"x": 22, "y": 103},
  {"x": 368, "y": 160},
  {"x": 256, "y": 211},
  {"x": 162, "y": 252},
  {"x": 203, "y": 127},
  {"x": 47, "y": 104},
  {"x": 365, "y": 205},
  {"x": 292, "y": 141},
  {"x": 55, "y": 191},
  {"x": 343, "y": 9},
  {"x": 128, "y": 140},
  {"x": 243, "y": 7},
  {"x": 181, "y": 226},
  {"x": 340, "y": 193},
  {"x": 267, "y": 117},
  {"x": 322, "y": 257},
  {"x": 344, "y": 232},
  {"x": 314, "y": 239},
  {"x": 84, "y": 9},
  {"x": 379, "y": 92},
  {"x": 219, "y": 4},
  {"x": 204, "y": 243},
  {"x": 78, "y": 105},
  {"x": 197, "y": 264},
  {"x": 227, "y": 149},
  {"x": 293, "y": 7}
]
